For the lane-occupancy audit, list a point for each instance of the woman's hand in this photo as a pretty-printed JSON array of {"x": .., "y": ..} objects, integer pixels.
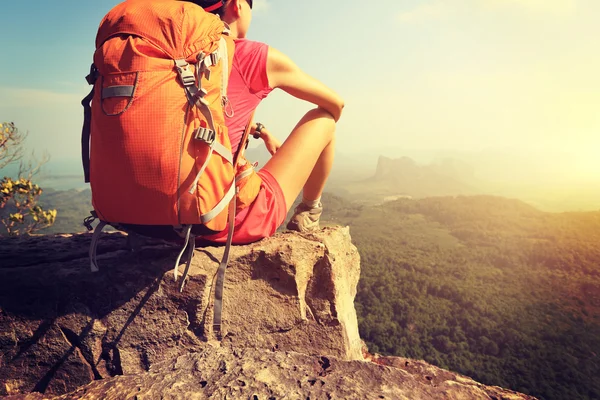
[{"x": 271, "y": 142}]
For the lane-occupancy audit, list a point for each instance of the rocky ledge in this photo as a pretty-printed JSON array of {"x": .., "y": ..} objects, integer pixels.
[{"x": 127, "y": 332}]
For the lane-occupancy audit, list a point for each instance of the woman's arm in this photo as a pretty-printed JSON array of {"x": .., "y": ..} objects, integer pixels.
[
  {"x": 271, "y": 142},
  {"x": 283, "y": 73}
]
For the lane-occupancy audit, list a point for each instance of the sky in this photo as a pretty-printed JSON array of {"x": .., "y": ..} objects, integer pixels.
[{"x": 451, "y": 75}]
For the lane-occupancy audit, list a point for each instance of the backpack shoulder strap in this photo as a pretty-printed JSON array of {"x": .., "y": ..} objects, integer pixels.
[
  {"x": 243, "y": 141},
  {"x": 87, "y": 123}
]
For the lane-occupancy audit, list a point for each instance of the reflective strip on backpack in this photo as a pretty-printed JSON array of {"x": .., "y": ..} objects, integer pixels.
[{"x": 117, "y": 91}]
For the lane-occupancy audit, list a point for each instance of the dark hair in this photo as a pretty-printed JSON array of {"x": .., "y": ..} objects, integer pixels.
[
  {"x": 220, "y": 11},
  {"x": 210, "y": 3}
]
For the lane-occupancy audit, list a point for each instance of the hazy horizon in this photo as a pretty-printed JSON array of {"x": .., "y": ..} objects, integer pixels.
[
  {"x": 420, "y": 78},
  {"x": 498, "y": 173}
]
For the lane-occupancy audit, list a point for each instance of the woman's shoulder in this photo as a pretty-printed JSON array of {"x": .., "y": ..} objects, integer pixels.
[
  {"x": 249, "y": 46},
  {"x": 251, "y": 58}
]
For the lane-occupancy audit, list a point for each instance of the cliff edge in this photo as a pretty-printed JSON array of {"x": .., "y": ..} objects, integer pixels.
[{"x": 127, "y": 332}]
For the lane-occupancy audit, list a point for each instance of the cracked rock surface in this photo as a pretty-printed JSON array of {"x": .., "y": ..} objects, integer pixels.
[
  {"x": 256, "y": 374},
  {"x": 127, "y": 332},
  {"x": 62, "y": 326}
]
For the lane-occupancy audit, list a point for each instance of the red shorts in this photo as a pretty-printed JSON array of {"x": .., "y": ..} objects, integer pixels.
[{"x": 262, "y": 218}]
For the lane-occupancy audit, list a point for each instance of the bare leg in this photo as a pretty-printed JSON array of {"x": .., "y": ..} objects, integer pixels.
[
  {"x": 305, "y": 159},
  {"x": 316, "y": 181}
]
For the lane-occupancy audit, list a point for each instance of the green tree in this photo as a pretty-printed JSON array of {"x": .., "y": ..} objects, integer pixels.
[{"x": 20, "y": 212}]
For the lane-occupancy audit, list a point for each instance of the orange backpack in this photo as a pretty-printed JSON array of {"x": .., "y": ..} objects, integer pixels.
[{"x": 159, "y": 160}]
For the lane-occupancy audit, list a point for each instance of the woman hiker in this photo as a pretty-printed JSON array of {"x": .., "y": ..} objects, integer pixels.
[{"x": 304, "y": 160}]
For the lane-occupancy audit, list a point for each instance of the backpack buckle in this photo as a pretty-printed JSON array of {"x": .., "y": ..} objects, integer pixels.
[
  {"x": 185, "y": 74},
  {"x": 88, "y": 221},
  {"x": 214, "y": 58},
  {"x": 206, "y": 135}
]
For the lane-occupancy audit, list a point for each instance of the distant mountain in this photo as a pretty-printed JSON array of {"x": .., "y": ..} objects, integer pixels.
[{"x": 404, "y": 177}]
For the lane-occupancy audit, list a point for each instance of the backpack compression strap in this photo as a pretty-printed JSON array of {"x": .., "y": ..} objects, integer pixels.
[
  {"x": 87, "y": 222},
  {"x": 219, "y": 284},
  {"x": 186, "y": 243},
  {"x": 190, "y": 243}
]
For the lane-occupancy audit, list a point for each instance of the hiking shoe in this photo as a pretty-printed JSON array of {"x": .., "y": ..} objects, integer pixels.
[{"x": 305, "y": 219}]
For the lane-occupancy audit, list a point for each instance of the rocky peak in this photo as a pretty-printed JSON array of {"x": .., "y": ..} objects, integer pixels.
[
  {"x": 390, "y": 168},
  {"x": 126, "y": 332}
]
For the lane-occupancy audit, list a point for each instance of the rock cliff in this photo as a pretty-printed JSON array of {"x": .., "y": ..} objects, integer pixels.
[{"x": 127, "y": 332}]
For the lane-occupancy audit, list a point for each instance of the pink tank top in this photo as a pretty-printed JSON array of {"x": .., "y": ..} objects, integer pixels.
[{"x": 248, "y": 85}]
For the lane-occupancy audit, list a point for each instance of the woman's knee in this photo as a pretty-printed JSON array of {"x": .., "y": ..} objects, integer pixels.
[
  {"x": 320, "y": 113},
  {"x": 323, "y": 120}
]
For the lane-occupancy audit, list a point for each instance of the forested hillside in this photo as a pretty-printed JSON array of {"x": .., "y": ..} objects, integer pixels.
[
  {"x": 72, "y": 207},
  {"x": 485, "y": 286}
]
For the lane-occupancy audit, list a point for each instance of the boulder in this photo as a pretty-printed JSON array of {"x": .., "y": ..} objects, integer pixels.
[{"x": 64, "y": 326}]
